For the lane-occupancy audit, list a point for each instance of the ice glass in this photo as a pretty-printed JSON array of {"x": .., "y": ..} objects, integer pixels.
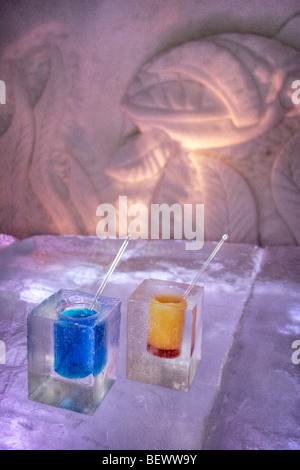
[
  {"x": 164, "y": 333},
  {"x": 73, "y": 351}
]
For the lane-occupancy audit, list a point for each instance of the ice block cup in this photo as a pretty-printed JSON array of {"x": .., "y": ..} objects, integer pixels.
[
  {"x": 72, "y": 350},
  {"x": 164, "y": 333}
]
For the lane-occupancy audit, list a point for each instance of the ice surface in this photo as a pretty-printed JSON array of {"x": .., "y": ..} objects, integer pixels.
[
  {"x": 258, "y": 405},
  {"x": 136, "y": 415}
]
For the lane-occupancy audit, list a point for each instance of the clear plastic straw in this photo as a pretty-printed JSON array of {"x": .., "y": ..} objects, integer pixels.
[
  {"x": 110, "y": 271},
  {"x": 196, "y": 279}
]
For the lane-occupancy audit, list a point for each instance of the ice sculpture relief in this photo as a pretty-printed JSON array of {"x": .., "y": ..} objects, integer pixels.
[
  {"x": 228, "y": 201},
  {"x": 286, "y": 185},
  {"x": 215, "y": 92},
  {"x": 179, "y": 109},
  {"x": 206, "y": 94},
  {"x": 46, "y": 187}
]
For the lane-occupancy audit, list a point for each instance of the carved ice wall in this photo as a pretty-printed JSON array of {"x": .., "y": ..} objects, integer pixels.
[{"x": 209, "y": 120}]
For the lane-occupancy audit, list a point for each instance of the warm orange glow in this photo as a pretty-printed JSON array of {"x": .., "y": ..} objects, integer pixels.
[{"x": 166, "y": 321}]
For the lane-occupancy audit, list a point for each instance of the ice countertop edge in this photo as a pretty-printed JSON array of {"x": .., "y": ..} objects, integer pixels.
[{"x": 247, "y": 290}]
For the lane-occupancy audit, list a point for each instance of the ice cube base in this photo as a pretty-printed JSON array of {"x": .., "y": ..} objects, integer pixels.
[
  {"x": 144, "y": 366},
  {"x": 63, "y": 394},
  {"x": 94, "y": 377}
]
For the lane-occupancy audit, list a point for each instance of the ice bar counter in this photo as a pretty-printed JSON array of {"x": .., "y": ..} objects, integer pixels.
[
  {"x": 72, "y": 350},
  {"x": 164, "y": 333}
]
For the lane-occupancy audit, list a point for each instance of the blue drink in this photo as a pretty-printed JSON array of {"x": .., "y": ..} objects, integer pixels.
[
  {"x": 72, "y": 352},
  {"x": 80, "y": 341}
]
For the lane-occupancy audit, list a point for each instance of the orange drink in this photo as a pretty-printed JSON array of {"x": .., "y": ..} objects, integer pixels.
[{"x": 165, "y": 324}]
